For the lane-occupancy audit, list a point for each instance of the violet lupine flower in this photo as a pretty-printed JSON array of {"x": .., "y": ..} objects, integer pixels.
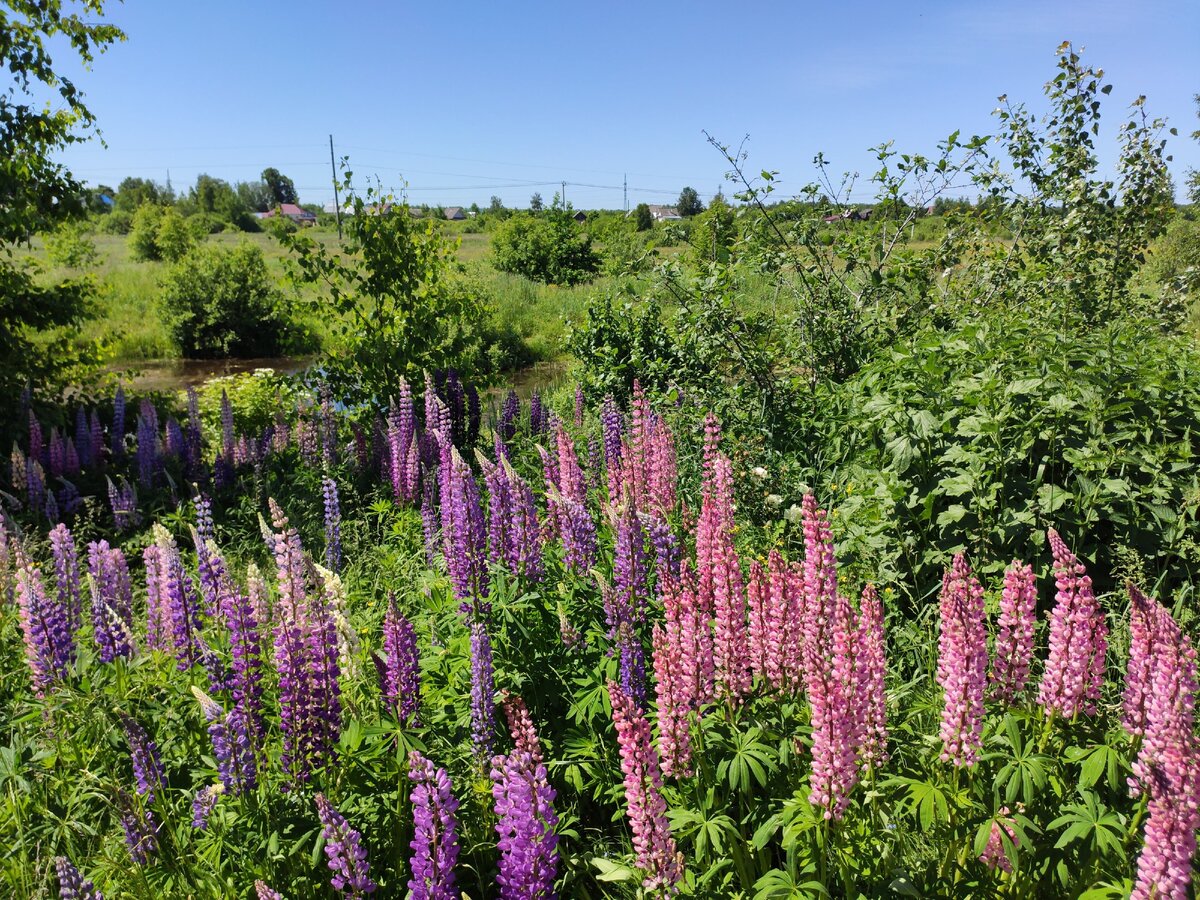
[
  {"x": 871, "y": 671},
  {"x": 56, "y": 454},
  {"x": 49, "y": 648},
  {"x": 1014, "y": 639},
  {"x": 245, "y": 646},
  {"x": 83, "y": 438},
  {"x": 464, "y": 538},
  {"x": 265, "y": 892},
  {"x": 644, "y": 804},
  {"x": 552, "y": 477},
  {"x": 345, "y": 851},
  {"x": 578, "y": 536},
  {"x": 665, "y": 544},
  {"x": 112, "y": 601},
  {"x": 625, "y": 603},
  {"x": 140, "y": 828},
  {"x": 538, "y": 414},
  {"x": 123, "y": 501},
  {"x": 74, "y": 467},
  {"x": 435, "y": 831},
  {"x": 431, "y": 523},
  {"x": 610, "y": 423},
  {"x": 158, "y": 616},
  {"x": 962, "y": 663},
  {"x": 182, "y": 608},
  {"x": 66, "y": 574},
  {"x": 579, "y": 406},
  {"x": 192, "y": 435},
  {"x": 118, "y": 426},
  {"x": 143, "y": 753},
  {"x": 174, "y": 444},
  {"x": 227, "y": 437},
  {"x": 501, "y": 542},
  {"x": 72, "y": 885},
  {"x": 525, "y": 825},
  {"x": 1168, "y": 764},
  {"x": 233, "y": 748},
  {"x": 1074, "y": 670},
  {"x": 719, "y": 571},
  {"x": 329, "y": 429},
  {"x": 993, "y": 855},
  {"x": 400, "y": 666},
  {"x": 403, "y": 453},
  {"x": 1143, "y": 619},
  {"x": 97, "y": 438},
  {"x": 510, "y": 415},
  {"x": 333, "y": 524},
  {"x": 147, "y": 454},
  {"x": 204, "y": 803},
  {"x": 483, "y": 688},
  {"x": 37, "y": 446}
]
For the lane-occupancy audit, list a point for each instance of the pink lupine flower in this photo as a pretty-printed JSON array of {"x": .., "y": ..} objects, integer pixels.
[
  {"x": 644, "y": 804},
  {"x": 520, "y": 725},
  {"x": 674, "y": 738},
  {"x": 871, "y": 668},
  {"x": 770, "y": 604},
  {"x": 993, "y": 855},
  {"x": 962, "y": 663},
  {"x": 758, "y": 600},
  {"x": 819, "y": 570},
  {"x": 1074, "y": 670},
  {"x": 1014, "y": 640},
  {"x": 1142, "y": 622}
]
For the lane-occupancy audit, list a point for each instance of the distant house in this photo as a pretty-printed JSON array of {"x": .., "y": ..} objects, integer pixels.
[
  {"x": 580, "y": 217},
  {"x": 297, "y": 214},
  {"x": 455, "y": 213},
  {"x": 664, "y": 213},
  {"x": 849, "y": 215}
]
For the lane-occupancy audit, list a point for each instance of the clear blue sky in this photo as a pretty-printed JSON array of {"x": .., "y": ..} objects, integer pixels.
[{"x": 469, "y": 99}]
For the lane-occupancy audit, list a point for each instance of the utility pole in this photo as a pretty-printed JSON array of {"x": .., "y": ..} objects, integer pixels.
[
  {"x": 564, "y": 195},
  {"x": 337, "y": 205},
  {"x": 625, "y": 191}
]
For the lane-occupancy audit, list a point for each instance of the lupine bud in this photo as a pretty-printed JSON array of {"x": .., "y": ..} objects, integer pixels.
[
  {"x": 72, "y": 885},
  {"x": 871, "y": 670},
  {"x": 1014, "y": 639},
  {"x": 483, "y": 710},
  {"x": 204, "y": 803},
  {"x": 962, "y": 663},
  {"x": 435, "y": 832},
  {"x": 1074, "y": 670},
  {"x": 993, "y": 855},
  {"x": 265, "y": 892},
  {"x": 401, "y": 671},
  {"x": 345, "y": 851},
  {"x": 333, "y": 524}
]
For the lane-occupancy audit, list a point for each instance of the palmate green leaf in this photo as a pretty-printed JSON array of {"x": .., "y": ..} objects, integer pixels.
[
  {"x": 610, "y": 870},
  {"x": 925, "y": 801},
  {"x": 779, "y": 885}
]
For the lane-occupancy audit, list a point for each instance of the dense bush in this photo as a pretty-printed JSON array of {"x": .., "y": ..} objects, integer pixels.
[
  {"x": 71, "y": 246},
  {"x": 223, "y": 302},
  {"x": 159, "y": 233},
  {"x": 549, "y": 247},
  {"x": 116, "y": 222}
]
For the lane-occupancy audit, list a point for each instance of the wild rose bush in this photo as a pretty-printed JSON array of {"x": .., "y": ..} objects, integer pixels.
[{"x": 431, "y": 656}]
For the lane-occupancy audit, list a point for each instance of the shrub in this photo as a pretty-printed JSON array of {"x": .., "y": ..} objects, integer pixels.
[
  {"x": 204, "y": 224},
  {"x": 70, "y": 246},
  {"x": 222, "y": 302},
  {"x": 143, "y": 232},
  {"x": 115, "y": 222},
  {"x": 174, "y": 237},
  {"x": 549, "y": 247}
]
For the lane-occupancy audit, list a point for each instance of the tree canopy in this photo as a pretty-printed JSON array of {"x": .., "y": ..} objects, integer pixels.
[{"x": 281, "y": 187}]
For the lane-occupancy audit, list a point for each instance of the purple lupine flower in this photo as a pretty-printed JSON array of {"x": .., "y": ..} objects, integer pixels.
[
  {"x": 463, "y": 535},
  {"x": 333, "y": 524},
  {"x": 579, "y": 406},
  {"x": 610, "y": 422},
  {"x": 402, "y": 449},
  {"x": 143, "y": 753},
  {"x": 37, "y": 444},
  {"x": 400, "y": 673},
  {"x": 192, "y": 435},
  {"x": 97, "y": 438},
  {"x": 74, "y": 467},
  {"x": 227, "y": 437},
  {"x": 118, "y": 426},
  {"x": 483, "y": 688},
  {"x": 510, "y": 415},
  {"x": 183, "y": 610},
  {"x": 501, "y": 542},
  {"x": 265, "y": 892},
  {"x": 527, "y": 533},
  {"x": 232, "y": 745},
  {"x": 525, "y": 825},
  {"x": 35, "y": 486},
  {"x": 537, "y": 414},
  {"x": 1074, "y": 670},
  {"x": 329, "y": 429},
  {"x": 158, "y": 617},
  {"x": 431, "y": 523},
  {"x": 437, "y": 416},
  {"x": 148, "y": 457},
  {"x": 578, "y": 536},
  {"x": 66, "y": 574},
  {"x": 625, "y": 603},
  {"x": 112, "y": 601},
  {"x": 83, "y": 438},
  {"x": 140, "y": 827},
  {"x": 665, "y": 543},
  {"x": 173, "y": 443},
  {"x": 204, "y": 803},
  {"x": 644, "y": 804},
  {"x": 435, "y": 831},
  {"x": 1014, "y": 639},
  {"x": 123, "y": 501},
  {"x": 474, "y": 414},
  {"x": 56, "y": 454},
  {"x": 245, "y": 645},
  {"x": 49, "y": 648},
  {"x": 962, "y": 663},
  {"x": 345, "y": 851},
  {"x": 72, "y": 885}
]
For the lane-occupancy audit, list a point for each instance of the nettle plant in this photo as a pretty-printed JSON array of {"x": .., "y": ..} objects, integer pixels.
[{"x": 558, "y": 672}]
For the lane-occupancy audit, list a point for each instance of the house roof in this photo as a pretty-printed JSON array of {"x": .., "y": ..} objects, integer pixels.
[{"x": 455, "y": 212}]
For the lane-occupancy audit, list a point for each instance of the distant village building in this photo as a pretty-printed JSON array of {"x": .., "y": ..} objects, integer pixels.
[
  {"x": 291, "y": 211},
  {"x": 580, "y": 217},
  {"x": 850, "y": 215},
  {"x": 455, "y": 213},
  {"x": 664, "y": 213}
]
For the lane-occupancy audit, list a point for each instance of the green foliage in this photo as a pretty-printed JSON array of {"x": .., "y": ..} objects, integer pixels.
[
  {"x": 134, "y": 193},
  {"x": 70, "y": 246},
  {"x": 642, "y": 217},
  {"x": 222, "y": 302},
  {"x": 159, "y": 233},
  {"x": 689, "y": 203},
  {"x": 549, "y": 247},
  {"x": 403, "y": 303},
  {"x": 116, "y": 222},
  {"x": 279, "y": 186}
]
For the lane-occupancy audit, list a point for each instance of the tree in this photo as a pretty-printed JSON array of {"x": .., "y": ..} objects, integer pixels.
[
  {"x": 535, "y": 202},
  {"x": 550, "y": 247},
  {"x": 255, "y": 195},
  {"x": 689, "y": 203},
  {"x": 642, "y": 217},
  {"x": 1193, "y": 175},
  {"x": 39, "y": 323},
  {"x": 281, "y": 187},
  {"x": 132, "y": 193}
]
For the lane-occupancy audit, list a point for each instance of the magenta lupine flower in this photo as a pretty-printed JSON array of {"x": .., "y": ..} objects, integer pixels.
[
  {"x": 204, "y": 803},
  {"x": 333, "y": 524},
  {"x": 570, "y": 481},
  {"x": 72, "y": 885},
  {"x": 435, "y": 831},
  {"x": 758, "y": 605},
  {"x": 819, "y": 591},
  {"x": 49, "y": 648},
  {"x": 993, "y": 855},
  {"x": 400, "y": 674},
  {"x": 140, "y": 828},
  {"x": 66, "y": 574},
  {"x": 831, "y": 681},
  {"x": 962, "y": 663},
  {"x": 525, "y": 826},
  {"x": 1074, "y": 670},
  {"x": 118, "y": 426},
  {"x": 871, "y": 671},
  {"x": 645, "y": 807},
  {"x": 143, "y": 753},
  {"x": 483, "y": 689},
  {"x": 719, "y": 572},
  {"x": 683, "y": 666},
  {"x": 464, "y": 538},
  {"x": 1168, "y": 763},
  {"x": 345, "y": 851},
  {"x": 1014, "y": 639},
  {"x": 181, "y": 601},
  {"x": 265, "y": 892},
  {"x": 403, "y": 459},
  {"x": 437, "y": 414},
  {"x": 674, "y": 738},
  {"x": 696, "y": 641},
  {"x": 112, "y": 601},
  {"x": 1143, "y": 621}
]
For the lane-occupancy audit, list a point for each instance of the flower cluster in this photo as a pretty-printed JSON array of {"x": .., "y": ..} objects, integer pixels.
[
  {"x": 435, "y": 831},
  {"x": 49, "y": 646},
  {"x": 233, "y": 747},
  {"x": 72, "y": 885},
  {"x": 525, "y": 826},
  {"x": 400, "y": 666},
  {"x": 962, "y": 663},
  {"x": 345, "y": 851},
  {"x": 333, "y": 524},
  {"x": 112, "y": 601},
  {"x": 1014, "y": 637}
]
